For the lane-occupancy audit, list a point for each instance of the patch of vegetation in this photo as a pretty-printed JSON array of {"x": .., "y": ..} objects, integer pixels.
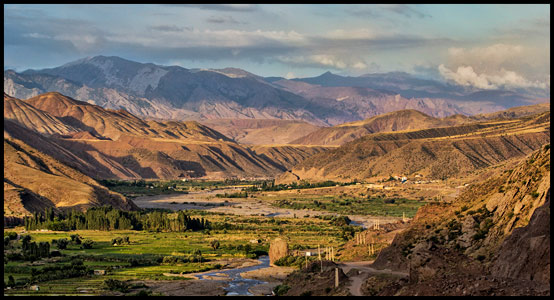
[
  {"x": 233, "y": 195},
  {"x": 269, "y": 185},
  {"x": 281, "y": 289},
  {"x": 294, "y": 261},
  {"x": 375, "y": 206},
  {"x": 109, "y": 218}
]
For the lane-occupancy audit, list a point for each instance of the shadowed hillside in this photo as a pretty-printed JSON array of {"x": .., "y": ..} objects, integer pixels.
[
  {"x": 34, "y": 181},
  {"x": 117, "y": 144}
]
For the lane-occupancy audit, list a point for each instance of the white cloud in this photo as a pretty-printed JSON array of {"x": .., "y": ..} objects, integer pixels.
[
  {"x": 466, "y": 76},
  {"x": 496, "y": 66},
  {"x": 290, "y": 75}
]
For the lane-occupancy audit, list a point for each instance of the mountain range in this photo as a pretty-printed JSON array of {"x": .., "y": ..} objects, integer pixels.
[{"x": 175, "y": 93}]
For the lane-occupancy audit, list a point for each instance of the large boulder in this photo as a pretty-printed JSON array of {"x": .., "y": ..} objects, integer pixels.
[{"x": 278, "y": 248}]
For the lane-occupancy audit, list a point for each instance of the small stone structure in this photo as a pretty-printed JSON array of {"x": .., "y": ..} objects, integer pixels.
[
  {"x": 278, "y": 248},
  {"x": 99, "y": 272}
]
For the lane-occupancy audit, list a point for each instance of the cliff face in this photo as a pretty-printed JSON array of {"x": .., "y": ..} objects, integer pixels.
[
  {"x": 496, "y": 231},
  {"x": 526, "y": 253}
]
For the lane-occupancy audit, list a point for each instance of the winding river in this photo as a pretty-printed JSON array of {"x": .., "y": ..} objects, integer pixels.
[{"x": 239, "y": 286}]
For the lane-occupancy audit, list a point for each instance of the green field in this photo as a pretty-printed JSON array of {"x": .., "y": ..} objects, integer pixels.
[
  {"x": 374, "y": 206},
  {"x": 233, "y": 232},
  {"x": 136, "y": 188}
]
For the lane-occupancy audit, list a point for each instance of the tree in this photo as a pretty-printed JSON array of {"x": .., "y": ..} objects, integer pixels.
[
  {"x": 214, "y": 244},
  {"x": 62, "y": 244},
  {"x": 11, "y": 281},
  {"x": 87, "y": 244},
  {"x": 76, "y": 239}
]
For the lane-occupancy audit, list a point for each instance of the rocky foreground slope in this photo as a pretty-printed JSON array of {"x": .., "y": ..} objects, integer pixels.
[{"x": 494, "y": 239}]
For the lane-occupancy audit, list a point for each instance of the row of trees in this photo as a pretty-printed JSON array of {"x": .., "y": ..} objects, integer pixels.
[
  {"x": 109, "y": 218},
  {"x": 269, "y": 185}
]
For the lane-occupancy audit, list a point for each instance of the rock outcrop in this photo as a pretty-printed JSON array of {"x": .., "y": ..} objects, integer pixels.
[
  {"x": 278, "y": 248},
  {"x": 519, "y": 253}
]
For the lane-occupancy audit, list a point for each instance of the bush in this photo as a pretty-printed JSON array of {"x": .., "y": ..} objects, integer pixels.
[
  {"x": 60, "y": 243},
  {"x": 280, "y": 290},
  {"x": 75, "y": 239},
  {"x": 10, "y": 234},
  {"x": 116, "y": 285},
  {"x": 171, "y": 260},
  {"x": 87, "y": 244}
]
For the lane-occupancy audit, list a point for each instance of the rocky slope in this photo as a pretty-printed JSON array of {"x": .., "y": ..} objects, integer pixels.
[
  {"x": 493, "y": 239},
  {"x": 436, "y": 153}
]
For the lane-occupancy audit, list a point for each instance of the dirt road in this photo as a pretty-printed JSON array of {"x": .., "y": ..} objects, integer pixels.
[{"x": 361, "y": 271}]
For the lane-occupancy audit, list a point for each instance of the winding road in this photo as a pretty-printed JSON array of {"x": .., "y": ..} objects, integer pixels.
[{"x": 363, "y": 272}]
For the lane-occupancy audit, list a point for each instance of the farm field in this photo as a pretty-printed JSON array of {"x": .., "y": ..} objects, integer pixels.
[{"x": 143, "y": 258}]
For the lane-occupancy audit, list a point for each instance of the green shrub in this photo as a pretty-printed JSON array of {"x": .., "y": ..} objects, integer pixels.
[
  {"x": 116, "y": 285},
  {"x": 280, "y": 290},
  {"x": 87, "y": 244}
]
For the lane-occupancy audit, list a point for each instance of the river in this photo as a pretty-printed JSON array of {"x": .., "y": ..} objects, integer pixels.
[{"x": 239, "y": 286}]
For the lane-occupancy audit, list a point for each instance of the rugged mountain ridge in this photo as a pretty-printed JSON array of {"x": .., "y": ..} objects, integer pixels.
[{"x": 170, "y": 92}]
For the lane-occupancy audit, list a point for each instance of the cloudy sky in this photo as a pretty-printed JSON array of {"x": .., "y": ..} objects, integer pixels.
[{"x": 485, "y": 46}]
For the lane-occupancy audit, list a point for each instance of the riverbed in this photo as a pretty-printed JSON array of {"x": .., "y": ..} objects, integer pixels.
[
  {"x": 206, "y": 200},
  {"x": 237, "y": 285}
]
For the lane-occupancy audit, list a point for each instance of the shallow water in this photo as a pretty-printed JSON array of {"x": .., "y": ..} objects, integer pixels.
[{"x": 239, "y": 286}]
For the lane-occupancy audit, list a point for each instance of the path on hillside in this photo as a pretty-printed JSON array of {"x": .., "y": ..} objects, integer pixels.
[{"x": 364, "y": 271}]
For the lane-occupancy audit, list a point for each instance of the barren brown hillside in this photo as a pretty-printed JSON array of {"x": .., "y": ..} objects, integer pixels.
[
  {"x": 287, "y": 155},
  {"x": 408, "y": 119},
  {"x": 114, "y": 123},
  {"x": 496, "y": 234},
  {"x": 515, "y": 112},
  {"x": 261, "y": 131},
  {"x": 35, "y": 119},
  {"x": 116, "y": 144},
  {"x": 34, "y": 181},
  {"x": 436, "y": 153}
]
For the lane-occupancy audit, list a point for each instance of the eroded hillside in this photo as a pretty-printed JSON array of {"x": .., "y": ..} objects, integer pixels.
[
  {"x": 34, "y": 181},
  {"x": 106, "y": 143}
]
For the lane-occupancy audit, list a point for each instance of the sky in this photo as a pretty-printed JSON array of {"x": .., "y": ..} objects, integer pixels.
[{"x": 483, "y": 46}]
